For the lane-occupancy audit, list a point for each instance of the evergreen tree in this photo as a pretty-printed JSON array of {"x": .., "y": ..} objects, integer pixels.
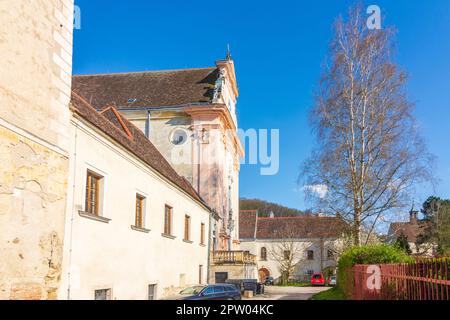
[
  {"x": 402, "y": 243},
  {"x": 436, "y": 224}
]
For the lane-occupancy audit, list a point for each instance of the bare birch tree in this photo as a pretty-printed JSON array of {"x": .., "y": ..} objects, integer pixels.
[
  {"x": 287, "y": 252},
  {"x": 368, "y": 153}
]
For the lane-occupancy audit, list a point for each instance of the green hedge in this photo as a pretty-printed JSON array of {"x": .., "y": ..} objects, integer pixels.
[{"x": 373, "y": 254}]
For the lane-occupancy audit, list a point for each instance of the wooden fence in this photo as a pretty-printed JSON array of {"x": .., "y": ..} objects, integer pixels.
[{"x": 422, "y": 280}]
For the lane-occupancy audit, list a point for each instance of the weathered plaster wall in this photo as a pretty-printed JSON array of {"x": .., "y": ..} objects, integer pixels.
[
  {"x": 238, "y": 271},
  {"x": 162, "y": 125},
  {"x": 234, "y": 272},
  {"x": 36, "y": 59},
  {"x": 35, "y": 79},
  {"x": 32, "y": 204},
  {"x": 210, "y": 158}
]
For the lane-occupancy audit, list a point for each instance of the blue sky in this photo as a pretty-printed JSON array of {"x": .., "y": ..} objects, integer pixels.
[{"x": 278, "y": 48}]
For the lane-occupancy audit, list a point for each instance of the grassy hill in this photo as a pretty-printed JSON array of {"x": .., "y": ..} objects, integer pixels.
[{"x": 264, "y": 208}]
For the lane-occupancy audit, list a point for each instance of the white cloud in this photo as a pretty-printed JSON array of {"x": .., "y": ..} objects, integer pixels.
[{"x": 320, "y": 190}]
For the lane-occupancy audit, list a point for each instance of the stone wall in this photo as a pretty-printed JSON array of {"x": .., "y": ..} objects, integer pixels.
[
  {"x": 36, "y": 64},
  {"x": 234, "y": 271},
  {"x": 32, "y": 204}
]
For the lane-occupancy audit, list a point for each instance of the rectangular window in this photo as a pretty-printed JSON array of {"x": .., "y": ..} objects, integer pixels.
[
  {"x": 152, "y": 292},
  {"x": 139, "y": 220},
  {"x": 187, "y": 228},
  {"x": 103, "y": 294},
  {"x": 92, "y": 204},
  {"x": 310, "y": 255},
  {"x": 168, "y": 220},
  {"x": 287, "y": 255},
  {"x": 202, "y": 234},
  {"x": 200, "y": 274},
  {"x": 330, "y": 254},
  {"x": 182, "y": 279}
]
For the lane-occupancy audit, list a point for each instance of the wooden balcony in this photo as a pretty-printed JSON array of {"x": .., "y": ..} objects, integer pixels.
[{"x": 233, "y": 257}]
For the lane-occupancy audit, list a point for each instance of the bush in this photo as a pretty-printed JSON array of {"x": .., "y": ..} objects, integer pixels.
[{"x": 372, "y": 254}]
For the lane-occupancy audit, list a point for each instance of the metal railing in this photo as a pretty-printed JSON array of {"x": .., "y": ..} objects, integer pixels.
[
  {"x": 233, "y": 257},
  {"x": 421, "y": 280}
]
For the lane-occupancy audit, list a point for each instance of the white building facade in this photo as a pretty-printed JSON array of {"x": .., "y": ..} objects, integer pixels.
[
  {"x": 141, "y": 232},
  {"x": 190, "y": 116},
  {"x": 312, "y": 243}
]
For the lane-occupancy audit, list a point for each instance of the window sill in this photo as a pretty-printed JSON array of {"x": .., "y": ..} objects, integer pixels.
[
  {"x": 140, "y": 229},
  {"x": 187, "y": 241},
  {"x": 93, "y": 217},
  {"x": 168, "y": 236}
]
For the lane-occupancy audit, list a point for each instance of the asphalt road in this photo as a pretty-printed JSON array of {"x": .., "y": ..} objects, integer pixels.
[{"x": 289, "y": 293}]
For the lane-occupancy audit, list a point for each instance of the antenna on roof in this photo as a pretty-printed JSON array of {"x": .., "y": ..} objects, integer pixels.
[{"x": 228, "y": 58}]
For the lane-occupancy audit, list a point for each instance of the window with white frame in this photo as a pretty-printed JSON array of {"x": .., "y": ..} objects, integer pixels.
[
  {"x": 152, "y": 292},
  {"x": 103, "y": 294}
]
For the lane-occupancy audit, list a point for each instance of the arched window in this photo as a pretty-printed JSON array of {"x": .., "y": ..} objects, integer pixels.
[{"x": 263, "y": 253}]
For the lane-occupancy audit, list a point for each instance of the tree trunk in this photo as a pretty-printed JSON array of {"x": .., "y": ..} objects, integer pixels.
[{"x": 357, "y": 229}]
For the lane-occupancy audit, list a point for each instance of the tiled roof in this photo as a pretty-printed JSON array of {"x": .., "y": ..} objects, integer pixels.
[
  {"x": 148, "y": 89},
  {"x": 301, "y": 227},
  {"x": 247, "y": 224},
  {"x": 111, "y": 123},
  {"x": 410, "y": 229}
]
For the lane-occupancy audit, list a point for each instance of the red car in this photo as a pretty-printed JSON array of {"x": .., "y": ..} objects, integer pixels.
[{"x": 317, "y": 279}]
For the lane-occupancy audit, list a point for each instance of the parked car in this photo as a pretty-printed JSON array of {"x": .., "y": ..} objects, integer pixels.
[
  {"x": 211, "y": 292},
  {"x": 317, "y": 279},
  {"x": 238, "y": 283},
  {"x": 260, "y": 289},
  {"x": 269, "y": 281},
  {"x": 250, "y": 285},
  {"x": 332, "y": 281}
]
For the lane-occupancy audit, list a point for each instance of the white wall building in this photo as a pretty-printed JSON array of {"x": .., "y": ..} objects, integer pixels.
[
  {"x": 314, "y": 242},
  {"x": 190, "y": 116},
  {"x": 135, "y": 229}
]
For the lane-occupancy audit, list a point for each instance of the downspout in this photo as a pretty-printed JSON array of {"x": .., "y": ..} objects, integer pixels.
[
  {"x": 199, "y": 145},
  {"x": 147, "y": 125},
  {"x": 69, "y": 279},
  {"x": 209, "y": 248}
]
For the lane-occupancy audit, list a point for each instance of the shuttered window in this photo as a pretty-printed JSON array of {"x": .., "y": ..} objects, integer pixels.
[
  {"x": 139, "y": 221},
  {"x": 187, "y": 228},
  {"x": 92, "y": 193},
  {"x": 202, "y": 234},
  {"x": 168, "y": 220}
]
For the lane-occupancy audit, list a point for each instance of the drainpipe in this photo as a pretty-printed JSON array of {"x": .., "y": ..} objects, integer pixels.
[
  {"x": 147, "y": 125},
  {"x": 69, "y": 275},
  {"x": 209, "y": 248}
]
